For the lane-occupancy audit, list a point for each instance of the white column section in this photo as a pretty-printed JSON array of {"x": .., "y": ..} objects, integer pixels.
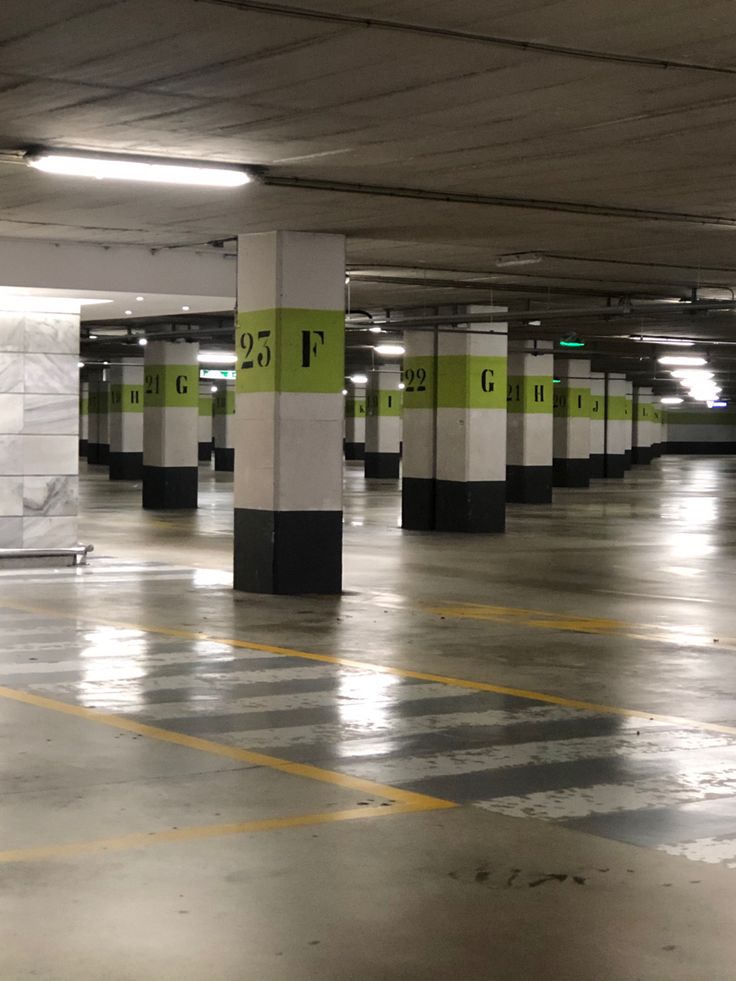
[{"x": 39, "y": 429}]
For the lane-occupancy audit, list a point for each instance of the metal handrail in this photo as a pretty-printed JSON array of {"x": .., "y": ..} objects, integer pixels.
[{"x": 78, "y": 552}]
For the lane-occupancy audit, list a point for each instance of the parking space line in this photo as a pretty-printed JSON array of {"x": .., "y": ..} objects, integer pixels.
[{"x": 195, "y": 833}]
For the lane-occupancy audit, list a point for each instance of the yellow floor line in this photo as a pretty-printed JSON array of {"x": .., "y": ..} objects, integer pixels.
[
  {"x": 235, "y": 644},
  {"x": 196, "y": 833},
  {"x": 343, "y": 780},
  {"x": 544, "y": 620}
]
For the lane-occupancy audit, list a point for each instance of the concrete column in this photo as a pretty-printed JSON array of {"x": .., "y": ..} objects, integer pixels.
[
  {"x": 355, "y": 422},
  {"x": 419, "y": 469},
  {"x": 616, "y": 425},
  {"x": 125, "y": 420},
  {"x": 383, "y": 423},
  {"x": 204, "y": 429},
  {"x": 39, "y": 429},
  {"x": 656, "y": 428},
  {"x": 93, "y": 418},
  {"x": 223, "y": 426},
  {"x": 83, "y": 418},
  {"x": 629, "y": 417},
  {"x": 455, "y": 429},
  {"x": 571, "y": 443},
  {"x": 529, "y": 424},
  {"x": 641, "y": 445},
  {"x": 103, "y": 422},
  {"x": 597, "y": 424},
  {"x": 171, "y": 393},
  {"x": 289, "y": 413}
]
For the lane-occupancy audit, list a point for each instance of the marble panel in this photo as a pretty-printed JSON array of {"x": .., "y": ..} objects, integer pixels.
[
  {"x": 52, "y": 333},
  {"x": 11, "y": 372},
  {"x": 11, "y": 455},
  {"x": 49, "y": 496},
  {"x": 11, "y": 331},
  {"x": 11, "y": 532},
  {"x": 56, "y": 415},
  {"x": 54, "y": 455},
  {"x": 52, "y": 374},
  {"x": 11, "y": 414},
  {"x": 11, "y": 496},
  {"x": 49, "y": 532}
]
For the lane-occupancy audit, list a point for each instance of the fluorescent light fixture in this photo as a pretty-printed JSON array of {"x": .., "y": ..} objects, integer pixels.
[
  {"x": 402, "y": 386},
  {"x": 535, "y": 323},
  {"x": 519, "y": 259},
  {"x": 668, "y": 341},
  {"x": 213, "y": 388},
  {"x": 186, "y": 308},
  {"x": 376, "y": 330},
  {"x": 359, "y": 379},
  {"x": 143, "y": 341},
  {"x": 128, "y": 313},
  {"x": 91, "y": 337},
  {"x": 692, "y": 373},
  {"x": 80, "y": 364},
  {"x": 680, "y": 359},
  {"x": 344, "y": 391},
  {"x": 390, "y": 349},
  {"x": 671, "y": 400},
  {"x": 139, "y": 299},
  {"x": 76, "y": 163},
  {"x": 717, "y": 405},
  {"x": 216, "y": 357}
]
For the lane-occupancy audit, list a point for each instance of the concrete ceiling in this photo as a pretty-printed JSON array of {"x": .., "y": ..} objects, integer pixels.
[{"x": 565, "y": 106}]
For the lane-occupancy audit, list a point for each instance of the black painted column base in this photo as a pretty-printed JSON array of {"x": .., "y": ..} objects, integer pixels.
[
  {"x": 355, "y": 451},
  {"x": 287, "y": 552},
  {"x": 614, "y": 465},
  {"x": 641, "y": 454},
  {"x": 167, "y": 488},
  {"x": 597, "y": 465},
  {"x": 470, "y": 506},
  {"x": 529, "y": 485},
  {"x": 104, "y": 454},
  {"x": 571, "y": 473},
  {"x": 126, "y": 466},
  {"x": 93, "y": 453},
  {"x": 417, "y": 503},
  {"x": 382, "y": 465},
  {"x": 205, "y": 452},
  {"x": 627, "y": 460},
  {"x": 83, "y": 448},
  {"x": 224, "y": 459}
]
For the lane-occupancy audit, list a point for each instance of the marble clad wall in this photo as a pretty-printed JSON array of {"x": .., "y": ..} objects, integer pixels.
[{"x": 39, "y": 429}]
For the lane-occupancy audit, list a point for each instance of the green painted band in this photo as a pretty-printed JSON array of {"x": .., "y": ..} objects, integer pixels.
[
  {"x": 84, "y": 407},
  {"x": 462, "y": 382},
  {"x": 384, "y": 403},
  {"x": 354, "y": 407},
  {"x": 290, "y": 350},
  {"x": 224, "y": 403},
  {"x": 616, "y": 408},
  {"x": 171, "y": 386},
  {"x": 205, "y": 405},
  {"x": 571, "y": 403},
  {"x": 126, "y": 398},
  {"x": 529, "y": 394}
]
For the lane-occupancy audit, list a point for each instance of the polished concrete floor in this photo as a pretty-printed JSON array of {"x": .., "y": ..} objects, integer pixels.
[{"x": 494, "y": 757}]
